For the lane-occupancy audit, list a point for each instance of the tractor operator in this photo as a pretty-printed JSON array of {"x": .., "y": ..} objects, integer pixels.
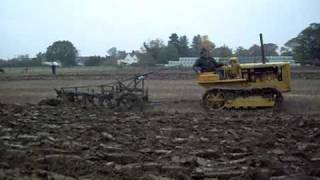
[{"x": 206, "y": 63}]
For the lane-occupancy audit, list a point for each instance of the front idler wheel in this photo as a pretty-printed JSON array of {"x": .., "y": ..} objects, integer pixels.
[{"x": 213, "y": 100}]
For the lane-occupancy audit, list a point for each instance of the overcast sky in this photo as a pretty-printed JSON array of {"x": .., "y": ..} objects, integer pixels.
[{"x": 94, "y": 26}]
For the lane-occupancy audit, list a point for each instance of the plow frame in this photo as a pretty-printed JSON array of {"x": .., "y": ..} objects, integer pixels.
[{"x": 120, "y": 95}]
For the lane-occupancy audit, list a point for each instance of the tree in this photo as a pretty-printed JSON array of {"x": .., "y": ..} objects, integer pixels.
[
  {"x": 196, "y": 45},
  {"x": 183, "y": 46},
  {"x": 242, "y": 52},
  {"x": 152, "y": 49},
  {"x": 271, "y": 49},
  {"x": 41, "y": 56},
  {"x": 121, "y": 55},
  {"x": 62, "y": 51},
  {"x": 21, "y": 61},
  {"x": 255, "y": 50},
  {"x": 223, "y": 51},
  {"x": 113, "y": 52},
  {"x": 306, "y": 46},
  {"x": 174, "y": 40},
  {"x": 199, "y": 42},
  {"x": 169, "y": 53},
  {"x": 145, "y": 59},
  {"x": 94, "y": 61},
  {"x": 23, "y": 57}
]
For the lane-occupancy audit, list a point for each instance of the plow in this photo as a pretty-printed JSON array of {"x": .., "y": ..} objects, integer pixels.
[{"x": 128, "y": 94}]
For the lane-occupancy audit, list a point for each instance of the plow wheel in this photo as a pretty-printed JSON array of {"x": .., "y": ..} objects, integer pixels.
[
  {"x": 278, "y": 101},
  {"x": 213, "y": 99},
  {"x": 129, "y": 101}
]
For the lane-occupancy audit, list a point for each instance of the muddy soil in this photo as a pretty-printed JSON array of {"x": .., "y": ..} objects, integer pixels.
[{"x": 72, "y": 142}]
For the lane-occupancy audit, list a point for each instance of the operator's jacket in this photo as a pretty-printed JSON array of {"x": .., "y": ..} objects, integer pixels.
[{"x": 204, "y": 64}]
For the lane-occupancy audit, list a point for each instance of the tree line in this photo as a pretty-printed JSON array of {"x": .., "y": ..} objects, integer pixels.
[
  {"x": 177, "y": 46},
  {"x": 21, "y": 61},
  {"x": 304, "y": 48}
]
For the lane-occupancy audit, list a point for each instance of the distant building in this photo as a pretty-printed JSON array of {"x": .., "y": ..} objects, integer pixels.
[
  {"x": 80, "y": 60},
  {"x": 129, "y": 59}
]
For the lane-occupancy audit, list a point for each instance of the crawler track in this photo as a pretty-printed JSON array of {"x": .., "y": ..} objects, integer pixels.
[{"x": 228, "y": 98}]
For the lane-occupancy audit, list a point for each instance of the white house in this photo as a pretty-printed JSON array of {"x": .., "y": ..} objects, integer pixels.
[
  {"x": 129, "y": 59},
  {"x": 54, "y": 63}
]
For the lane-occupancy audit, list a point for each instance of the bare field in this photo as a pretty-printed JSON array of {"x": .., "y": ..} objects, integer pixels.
[
  {"x": 111, "y": 73},
  {"x": 305, "y": 94},
  {"x": 173, "y": 139}
]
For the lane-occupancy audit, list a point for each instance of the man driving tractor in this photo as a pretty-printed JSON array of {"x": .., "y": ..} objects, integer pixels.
[{"x": 206, "y": 63}]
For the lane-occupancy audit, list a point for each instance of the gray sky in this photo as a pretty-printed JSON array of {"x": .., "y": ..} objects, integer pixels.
[{"x": 30, "y": 26}]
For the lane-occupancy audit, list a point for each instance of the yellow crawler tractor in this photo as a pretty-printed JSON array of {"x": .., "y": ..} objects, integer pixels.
[{"x": 249, "y": 85}]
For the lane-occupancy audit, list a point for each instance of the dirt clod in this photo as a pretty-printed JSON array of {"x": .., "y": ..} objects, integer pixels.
[{"x": 69, "y": 142}]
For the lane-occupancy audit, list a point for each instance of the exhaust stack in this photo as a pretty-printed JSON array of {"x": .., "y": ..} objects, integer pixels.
[{"x": 262, "y": 49}]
